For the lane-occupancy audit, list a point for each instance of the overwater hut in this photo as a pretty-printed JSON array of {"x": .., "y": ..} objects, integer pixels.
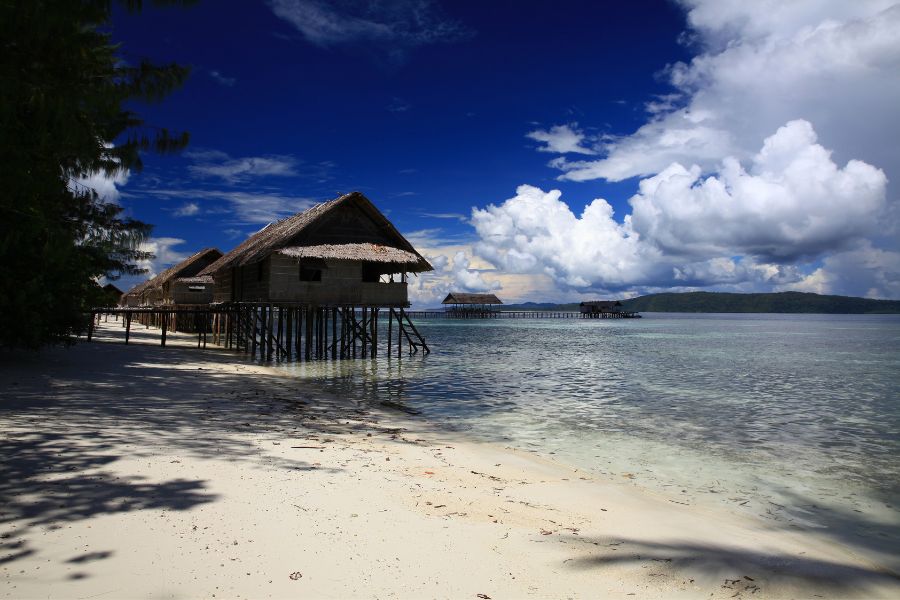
[
  {"x": 341, "y": 253},
  {"x": 604, "y": 309},
  {"x": 471, "y": 305},
  {"x": 180, "y": 284}
]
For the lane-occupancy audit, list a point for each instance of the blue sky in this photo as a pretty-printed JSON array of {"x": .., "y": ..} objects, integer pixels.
[{"x": 545, "y": 151}]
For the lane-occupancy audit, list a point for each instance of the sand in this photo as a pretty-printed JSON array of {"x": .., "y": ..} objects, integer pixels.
[{"x": 145, "y": 472}]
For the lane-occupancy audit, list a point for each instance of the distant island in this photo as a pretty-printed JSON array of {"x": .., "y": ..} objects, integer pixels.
[{"x": 723, "y": 302}]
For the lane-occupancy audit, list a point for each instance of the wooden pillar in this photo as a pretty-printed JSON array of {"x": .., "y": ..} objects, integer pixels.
[
  {"x": 165, "y": 324},
  {"x": 289, "y": 332},
  {"x": 334, "y": 340},
  {"x": 309, "y": 331},
  {"x": 390, "y": 328},
  {"x": 365, "y": 324},
  {"x": 374, "y": 331},
  {"x": 270, "y": 321},
  {"x": 253, "y": 330},
  {"x": 90, "y": 332},
  {"x": 127, "y": 326}
]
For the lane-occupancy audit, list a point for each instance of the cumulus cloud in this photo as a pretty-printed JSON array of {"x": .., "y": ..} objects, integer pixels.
[
  {"x": 793, "y": 202},
  {"x": 760, "y": 65},
  {"x": 733, "y": 227},
  {"x": 561, "y": 139}
]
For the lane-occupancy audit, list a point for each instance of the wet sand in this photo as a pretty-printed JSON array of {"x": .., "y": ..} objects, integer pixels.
[{"x": 140, "y": 471}]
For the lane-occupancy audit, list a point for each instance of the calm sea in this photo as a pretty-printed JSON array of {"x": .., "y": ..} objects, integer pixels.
[{"x": 794, "y": 418}]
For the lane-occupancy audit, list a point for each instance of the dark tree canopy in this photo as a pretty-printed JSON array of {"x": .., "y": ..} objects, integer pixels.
[{"x": 64, "y": 88}]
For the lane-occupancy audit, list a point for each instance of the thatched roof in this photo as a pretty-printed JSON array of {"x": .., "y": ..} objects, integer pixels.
[
  {"x": 287, "y": 234},
  {"x": 187, "y": 267},
  {"x": 364, "y": 252},
  {"x": 460, "y": 298}
]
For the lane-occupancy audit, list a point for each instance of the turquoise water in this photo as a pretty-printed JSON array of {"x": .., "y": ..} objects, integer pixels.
[{"x": 795, "y": 418}]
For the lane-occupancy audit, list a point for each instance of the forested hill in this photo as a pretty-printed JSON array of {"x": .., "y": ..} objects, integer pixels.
[
  {"x": 783, "y": 302},
  {"x": 721, "y": 302}
]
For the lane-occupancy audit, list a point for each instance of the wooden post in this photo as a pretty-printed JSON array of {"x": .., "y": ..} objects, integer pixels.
[
  {"x": 165, "y": 323},
  {"x": 390, "y": 328},
  {"x": 297, "y": 342},
  {"x": 253, "y": 330},
  {"x": 365, "y": 324},
  {"x": 91, "y": 327},
  {"x": 309, "y": 331},
  {"x": 374, "y": 329},
  {"x": 127, "y": 326},
  {"x": 399, "y": 332},
  {"x": 334, "y": 341},
  {"x": 289, "y": 333},
  {"x": 270, "y": 321}
]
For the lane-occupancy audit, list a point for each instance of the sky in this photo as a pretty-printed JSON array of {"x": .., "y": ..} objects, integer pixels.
[{"x": 543, "y": 151}]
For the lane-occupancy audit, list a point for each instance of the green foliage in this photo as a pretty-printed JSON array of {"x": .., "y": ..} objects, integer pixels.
[{"x": 62, "y": 117}]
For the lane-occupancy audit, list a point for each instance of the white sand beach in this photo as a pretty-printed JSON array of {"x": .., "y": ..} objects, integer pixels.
[{"x": 146, "y": 472}]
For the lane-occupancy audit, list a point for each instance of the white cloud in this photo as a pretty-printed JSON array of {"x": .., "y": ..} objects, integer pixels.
[
  {"x": 762, "y": 64},
  {"x": 404, "y": 23},
  {"x": 794, "y": 202},
  {"x": 244, "y": 207},
  {"x": 165, "y": 255},
  {"x": 561, "y": 139},
  {"x": 212, "y": 163},
  {"x": 106, "y": 185},
  {"x": 187, "y": 210}
]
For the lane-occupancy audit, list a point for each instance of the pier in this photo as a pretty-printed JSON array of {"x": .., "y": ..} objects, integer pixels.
[{"x": 519, "y": 314}]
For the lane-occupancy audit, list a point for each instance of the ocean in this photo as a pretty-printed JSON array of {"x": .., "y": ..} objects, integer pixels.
[{"x": 792, "y": 418}]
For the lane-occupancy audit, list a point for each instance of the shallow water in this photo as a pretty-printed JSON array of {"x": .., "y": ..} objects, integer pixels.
[{"x": 795, "y": 418}]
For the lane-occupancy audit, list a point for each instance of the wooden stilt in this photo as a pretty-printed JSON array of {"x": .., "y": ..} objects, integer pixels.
[{"x": 165, "y": 324}]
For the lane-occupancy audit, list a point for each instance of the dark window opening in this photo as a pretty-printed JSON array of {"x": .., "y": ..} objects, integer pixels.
[
  {"x": 310, "y": 273},
  {"x": 371, "y": 273}
]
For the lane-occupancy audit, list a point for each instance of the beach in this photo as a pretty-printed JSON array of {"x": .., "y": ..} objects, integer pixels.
[{"x": 139, "y": 471}]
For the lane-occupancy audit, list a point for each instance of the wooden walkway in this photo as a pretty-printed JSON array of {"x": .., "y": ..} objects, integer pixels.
[{"x": 518, "y": 314}]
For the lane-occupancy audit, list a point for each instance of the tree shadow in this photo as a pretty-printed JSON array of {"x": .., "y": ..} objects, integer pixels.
[{"x": 741, "y": 570}]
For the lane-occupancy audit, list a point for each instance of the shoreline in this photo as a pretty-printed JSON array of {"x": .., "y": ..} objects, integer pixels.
[{"x": 137, "y": 471}]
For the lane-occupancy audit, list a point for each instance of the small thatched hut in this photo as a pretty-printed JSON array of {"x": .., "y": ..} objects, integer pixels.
[
  {"x": 596, "y": 307},
  {"x": 180, "y": 284},
  {"x": 471, "y": 305},
  {"x": 339, "y": 253}
]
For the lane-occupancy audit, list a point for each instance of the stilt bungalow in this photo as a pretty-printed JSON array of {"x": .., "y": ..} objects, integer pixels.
[
  {"x": 336, "y": 265},
  {"x": 471, "y": 306},
  {"x": 112, "y": 294},
  {"x": 605, "y": 309},
  {"x": 180, "y": 284}
]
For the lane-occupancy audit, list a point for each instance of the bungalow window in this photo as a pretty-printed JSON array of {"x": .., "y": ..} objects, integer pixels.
[
  {"x": 371, "y": 273},
  {"x": 311, "y": 270}
]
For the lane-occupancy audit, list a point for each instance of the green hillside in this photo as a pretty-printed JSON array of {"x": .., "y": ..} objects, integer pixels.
[
  {"x": 783, "y": 302},
  {"x": 722, "y": 302}
]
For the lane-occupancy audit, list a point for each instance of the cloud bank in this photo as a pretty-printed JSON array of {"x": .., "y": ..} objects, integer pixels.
[
  {"x": 738, "y": 189},
  {"x": 792, "y": 204}
]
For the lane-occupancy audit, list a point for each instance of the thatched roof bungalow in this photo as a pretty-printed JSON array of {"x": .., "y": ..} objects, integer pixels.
[
  {"x": 462, "y": 300},
  {"x": 594, "y": 307},
  {"x": 179, "y": 284},
  {"x": 343, "y": 252}
]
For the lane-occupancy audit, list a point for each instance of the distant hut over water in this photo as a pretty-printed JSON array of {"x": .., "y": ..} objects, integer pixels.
[
  {"x": 179, "y": 284},
  {"x": 339, "y": 253},
  {"x": 605, "y": 309},
  {"x": 465, "y": 305}
]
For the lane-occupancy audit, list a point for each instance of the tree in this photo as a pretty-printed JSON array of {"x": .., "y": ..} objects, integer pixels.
[{"x": 63, "y": 93}]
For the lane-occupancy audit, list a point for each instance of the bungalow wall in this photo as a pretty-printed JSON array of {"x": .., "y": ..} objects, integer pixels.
[
  {"x": 277, "y": 279},
  {"x": 183, "y": 292}
]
